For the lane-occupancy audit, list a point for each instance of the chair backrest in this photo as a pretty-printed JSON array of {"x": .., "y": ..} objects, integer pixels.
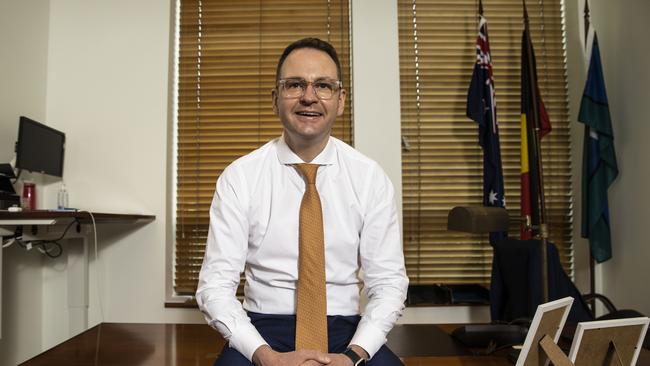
[{"x": 516, "y": 288}]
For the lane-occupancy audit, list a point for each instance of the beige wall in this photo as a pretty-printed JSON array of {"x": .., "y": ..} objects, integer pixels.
[
  {"x": 377, "y": 129},
  {"x": 23, "y": 36},
  {"x": 108, "y": 74},
  {"x": 23, "y": 68}
]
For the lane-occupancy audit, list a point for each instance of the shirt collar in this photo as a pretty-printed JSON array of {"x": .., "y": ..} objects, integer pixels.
[{"x": 287, "y": 157}]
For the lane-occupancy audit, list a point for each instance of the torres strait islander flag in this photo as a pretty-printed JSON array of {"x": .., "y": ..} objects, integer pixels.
[{"x": 599, "y": 167}]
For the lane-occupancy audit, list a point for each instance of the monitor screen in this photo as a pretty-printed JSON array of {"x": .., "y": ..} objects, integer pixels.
[{"x": 39, "y": 148}]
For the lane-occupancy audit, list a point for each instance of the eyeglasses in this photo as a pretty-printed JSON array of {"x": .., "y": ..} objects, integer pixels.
[{"x": 296, "y": 88}]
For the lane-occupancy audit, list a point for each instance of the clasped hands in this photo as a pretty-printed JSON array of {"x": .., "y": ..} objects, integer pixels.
[{"x": 265, "y": 356}]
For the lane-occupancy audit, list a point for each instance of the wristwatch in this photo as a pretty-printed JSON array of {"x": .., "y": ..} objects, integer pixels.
[{"x": 356, "y": 359}]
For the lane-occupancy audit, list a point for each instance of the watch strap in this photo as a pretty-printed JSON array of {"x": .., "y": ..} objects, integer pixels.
[{"x": 356, "y": 359}]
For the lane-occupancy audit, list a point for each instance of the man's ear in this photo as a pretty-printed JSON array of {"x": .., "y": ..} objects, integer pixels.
[
  {"x": 341, "y": 106},
  {"x": 274, "y": 100}
]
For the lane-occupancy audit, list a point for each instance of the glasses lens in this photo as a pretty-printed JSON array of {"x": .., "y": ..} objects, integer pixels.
[
  {"x": 295, "y": 88},
  {"x": 324, "y": 89}
]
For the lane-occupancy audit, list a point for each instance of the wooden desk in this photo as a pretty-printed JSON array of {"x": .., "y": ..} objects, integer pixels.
[
  {"x": 44, "y": 225},
  {"x": 197, "y": 345}
]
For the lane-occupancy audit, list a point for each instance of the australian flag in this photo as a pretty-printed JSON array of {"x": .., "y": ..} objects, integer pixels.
[{"x": 481, "y": 107}]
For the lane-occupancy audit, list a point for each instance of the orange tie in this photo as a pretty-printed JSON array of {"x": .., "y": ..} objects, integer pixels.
[{"x": 311, "y": 307}]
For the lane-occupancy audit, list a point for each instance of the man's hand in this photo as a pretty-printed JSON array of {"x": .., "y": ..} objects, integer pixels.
[
  {"x": 265, "y": 356},
  {"x": 336, "y": 359},
  {"x": 339, "y": 359}
]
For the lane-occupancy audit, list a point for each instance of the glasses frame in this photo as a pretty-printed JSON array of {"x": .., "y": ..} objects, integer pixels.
[{"x": 338, "y": 85}]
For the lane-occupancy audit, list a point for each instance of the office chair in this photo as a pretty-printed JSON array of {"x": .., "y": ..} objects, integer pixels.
[
  {"x": 516, "y": 287},
  {"x": 516, "y": 284}
]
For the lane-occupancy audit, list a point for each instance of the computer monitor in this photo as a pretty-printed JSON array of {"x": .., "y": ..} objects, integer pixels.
[{"x": 39, "y": 148}]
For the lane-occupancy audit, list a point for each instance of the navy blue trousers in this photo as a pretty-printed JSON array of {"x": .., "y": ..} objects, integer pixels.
[{"x": 279, "y": 331}]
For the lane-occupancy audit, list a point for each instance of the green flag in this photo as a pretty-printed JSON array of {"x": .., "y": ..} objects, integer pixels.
[{"x": 599, "y": 168}]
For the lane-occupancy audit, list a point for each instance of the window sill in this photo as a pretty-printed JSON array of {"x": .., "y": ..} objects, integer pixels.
[
  {"x": 181, "y": 303},
  {"x": 447, "y": 295},
  {"x": 418, "y": 296}
]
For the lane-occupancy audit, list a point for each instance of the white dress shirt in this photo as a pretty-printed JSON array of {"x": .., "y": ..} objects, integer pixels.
[{"x": 254, "y": 229}]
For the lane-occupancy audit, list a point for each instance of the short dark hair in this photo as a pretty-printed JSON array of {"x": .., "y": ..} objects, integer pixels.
[{"x": 315, "y": 43}]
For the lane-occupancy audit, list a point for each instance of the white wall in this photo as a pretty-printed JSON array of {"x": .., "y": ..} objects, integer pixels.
[
  {"x": 375, "y": 72},
  {"x": 23, "y": 36},
  {"x": 108, "y": 73},
  {"x": 23, "y": 66}
]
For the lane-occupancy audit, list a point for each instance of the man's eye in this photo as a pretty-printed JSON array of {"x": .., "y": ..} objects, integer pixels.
[
  {"x": 293, "y": 84},
  {"x": 323, "y": 85}
]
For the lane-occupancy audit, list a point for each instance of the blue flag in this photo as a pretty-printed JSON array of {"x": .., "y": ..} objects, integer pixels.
[
  {"x": 599, "y": 168},
  {"x": 481, "y": 107}
]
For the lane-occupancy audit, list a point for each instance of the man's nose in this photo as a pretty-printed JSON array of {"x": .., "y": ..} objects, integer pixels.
[{"x": 309, "y": 95}]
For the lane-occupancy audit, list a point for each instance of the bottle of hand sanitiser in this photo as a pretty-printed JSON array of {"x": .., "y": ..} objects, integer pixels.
[{"x": 62, "y": 198}]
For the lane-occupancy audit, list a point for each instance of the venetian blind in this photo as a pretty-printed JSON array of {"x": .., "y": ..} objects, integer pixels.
[
  {"x": 442, "y": 161},
  {"x": 228, "y": 52}
]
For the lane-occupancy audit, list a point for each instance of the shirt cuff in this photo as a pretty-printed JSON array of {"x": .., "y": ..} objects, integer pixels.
[
  {"x": 246, "y": 340},
  {"x": 369, "y": 337}
]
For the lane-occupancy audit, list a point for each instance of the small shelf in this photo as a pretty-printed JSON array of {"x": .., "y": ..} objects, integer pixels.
[{"x": 7, "y": 218}]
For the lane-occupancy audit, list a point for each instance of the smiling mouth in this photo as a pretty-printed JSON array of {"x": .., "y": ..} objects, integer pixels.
[{"x": 309, "y": 114}]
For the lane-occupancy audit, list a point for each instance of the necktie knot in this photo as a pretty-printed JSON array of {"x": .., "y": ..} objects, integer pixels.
[{"x": 309, "y": 172}]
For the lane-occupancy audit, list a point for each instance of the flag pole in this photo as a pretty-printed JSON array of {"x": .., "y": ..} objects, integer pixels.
[
  {"x": 592, "y": 261},
  {"x": 535, "y": 120},
  {"x": 587, "y": 22}
]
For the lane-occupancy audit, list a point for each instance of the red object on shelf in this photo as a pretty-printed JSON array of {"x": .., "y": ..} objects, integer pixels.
[{"x": 29, "y": 196}]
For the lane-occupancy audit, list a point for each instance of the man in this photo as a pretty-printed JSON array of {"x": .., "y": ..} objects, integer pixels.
[{"x": 257, "y": 226}]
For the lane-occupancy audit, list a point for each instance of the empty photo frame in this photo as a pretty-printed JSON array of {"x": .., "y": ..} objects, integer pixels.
[
  {"x": 548, "y": 321},
  {"x": 608, "y": 342}
]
